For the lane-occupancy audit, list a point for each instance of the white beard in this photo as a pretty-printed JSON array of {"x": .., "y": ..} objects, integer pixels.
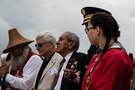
[{"x": 16, "y": 62}]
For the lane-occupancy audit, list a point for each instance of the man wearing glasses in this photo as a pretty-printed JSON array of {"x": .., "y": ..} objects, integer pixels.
[{"x": 45, "y": 44}]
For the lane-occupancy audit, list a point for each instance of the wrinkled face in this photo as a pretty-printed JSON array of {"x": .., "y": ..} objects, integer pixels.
[
  {"x": 42, "y": 46},
  {"x": 62, "y": 44},
  {"x": 92, "y": 33}
]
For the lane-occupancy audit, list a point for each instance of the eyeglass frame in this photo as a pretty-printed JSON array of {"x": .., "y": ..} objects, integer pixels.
[
  {"x": 88, "y": 29},
  {"x": 39, "y": 45}
]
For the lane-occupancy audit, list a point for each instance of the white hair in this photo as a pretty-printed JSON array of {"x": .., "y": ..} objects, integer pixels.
[
  {"x": 48, "y": 37},
  {"x": 15, "y": 62}
]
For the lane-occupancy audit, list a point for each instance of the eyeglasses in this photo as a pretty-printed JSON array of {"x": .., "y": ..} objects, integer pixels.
[
  {"x": 88, "y": 29},
  {"x": 38, "y": 45}
]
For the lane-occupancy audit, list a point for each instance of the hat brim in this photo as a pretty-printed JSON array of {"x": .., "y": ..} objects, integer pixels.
[
  {"x": 84, "y": 23},
  {"x": 10, "y": 48}
]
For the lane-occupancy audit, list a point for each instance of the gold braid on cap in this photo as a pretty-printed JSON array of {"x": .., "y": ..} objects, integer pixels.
[{"x": 87, "y": 18}]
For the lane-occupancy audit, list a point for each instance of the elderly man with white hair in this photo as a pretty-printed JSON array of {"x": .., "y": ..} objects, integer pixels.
[
  {"x": 24, "y": 64},
  {"x": 46, "y": 44}
]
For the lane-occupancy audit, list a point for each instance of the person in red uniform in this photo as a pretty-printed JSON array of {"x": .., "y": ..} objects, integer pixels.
[{"x": 111, "y": 68}]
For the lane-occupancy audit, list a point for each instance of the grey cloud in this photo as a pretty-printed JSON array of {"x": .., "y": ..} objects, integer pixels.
[{"x": 31, "y": 17}]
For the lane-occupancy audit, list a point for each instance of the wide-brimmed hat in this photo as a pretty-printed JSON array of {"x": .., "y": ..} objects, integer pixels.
[{"x": 15, "y": 38}]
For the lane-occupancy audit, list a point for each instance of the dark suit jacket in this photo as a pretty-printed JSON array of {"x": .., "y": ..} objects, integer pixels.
[
  {"x": 91, "y": 51},
  {"x": 77, "y": 61}
]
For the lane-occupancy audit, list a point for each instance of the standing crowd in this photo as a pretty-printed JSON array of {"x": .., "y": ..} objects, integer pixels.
[{"x": 58, "y": 64}]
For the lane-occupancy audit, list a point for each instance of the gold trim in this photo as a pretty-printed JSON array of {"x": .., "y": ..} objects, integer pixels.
[
  {"x": 88, "y": 16},
  {"x": 86, "y": 21}
]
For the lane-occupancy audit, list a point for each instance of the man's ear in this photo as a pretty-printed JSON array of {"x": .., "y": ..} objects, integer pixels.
[{"x": 71, "y": 45}]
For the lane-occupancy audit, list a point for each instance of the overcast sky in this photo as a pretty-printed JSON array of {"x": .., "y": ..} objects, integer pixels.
[{"x": 31, "y": 17}]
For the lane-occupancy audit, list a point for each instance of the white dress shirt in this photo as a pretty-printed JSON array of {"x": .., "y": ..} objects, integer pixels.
[
  {"x": 30, "y": 72},
  {"x": 58, "y": 85}
]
